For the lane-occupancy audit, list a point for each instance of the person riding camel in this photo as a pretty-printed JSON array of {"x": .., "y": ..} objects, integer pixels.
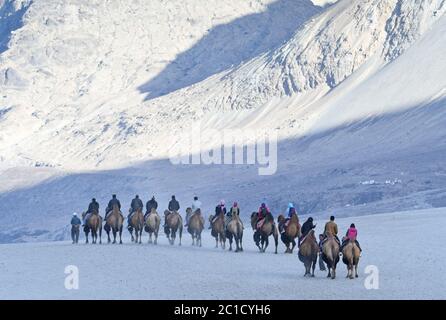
[
  {"x": 174, "y": 205},
  {"x": 261, "y": 215},
  {"x": 330, "y": 228},
  {"x": 306, "y": 228},
  {"x": 136, "y": 205},
  {"x": 151, "y": 204},
  {"x": 351, "y": 234},
  {"x": 196, "y": 208},
  {"x": 92, "y": 207},
  {"x": 221, "y": 207},
  {"x": 196, "y": 205},
  {"x": 111, "y": 203},
  {"x": 289, "y": 213},
  {"x": 235, "y": 210}
]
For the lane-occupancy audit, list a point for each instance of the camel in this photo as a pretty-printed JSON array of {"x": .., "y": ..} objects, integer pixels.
[
  {"x": 93, "y": 224},
  {"x": 218, "y": 230},
  {"x": 330, "y": 254},
  {"x": 114, "y": 223},
  {"x": 234, "y": 229},
  {"x": 292, "y": 231},
  {"x": 152, "y": 225},
  {"x": 174, "y": 223},
  {"x": 268, "y": 228},
  {"x": 195, "y": 225},
  {"x": 137, "y": 224},
  {"x": 350, "y": 256},
  {"x": 308, "y": 253}
]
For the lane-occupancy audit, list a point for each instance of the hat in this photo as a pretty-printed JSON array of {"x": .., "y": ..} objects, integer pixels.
[{"x": 74, "y": 214}]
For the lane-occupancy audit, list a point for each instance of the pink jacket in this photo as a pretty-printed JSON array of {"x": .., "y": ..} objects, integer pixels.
[
  {"x": 259, "y": 213},
  {"x": 352, "y": 233}
]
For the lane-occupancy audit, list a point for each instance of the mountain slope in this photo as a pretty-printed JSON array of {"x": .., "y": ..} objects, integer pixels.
[{"x": 99, "y": 112}]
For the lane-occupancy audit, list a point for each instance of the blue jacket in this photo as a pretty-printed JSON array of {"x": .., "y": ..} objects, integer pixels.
[{"x": 76, "y": 221}]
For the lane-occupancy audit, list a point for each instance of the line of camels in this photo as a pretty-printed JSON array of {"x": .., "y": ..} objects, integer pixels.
[{"x": 221, "y": 229}]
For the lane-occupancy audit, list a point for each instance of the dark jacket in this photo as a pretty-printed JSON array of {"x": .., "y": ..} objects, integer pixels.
[
  {"x": 174, "y": 205},
  {"x": 136, "y": 204},
  {"x": 151, "y": 204},
  {"x": 76, "y": 221},
  {"x": 93, "y": 207},
  {"x": 111, "y": 203},
  {"x": 235, "y": 210},
  {"x": 307, "y": 227},
  {"x": 219, "y": 209}
]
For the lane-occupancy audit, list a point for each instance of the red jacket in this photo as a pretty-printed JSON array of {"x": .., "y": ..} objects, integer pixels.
[
  {"x": 352, "y": 234},
  {"x": 259, "y": 214}
]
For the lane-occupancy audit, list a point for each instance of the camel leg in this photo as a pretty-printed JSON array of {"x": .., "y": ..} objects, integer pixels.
[
  {"x": 114, "y": 236},
  {"x": 100, "y": 234},
  {"x": 174, "y": 235},
  {"x": 356, "y": 270},
  {"x": 260, "y": 245},
  {"x": 150, "y": 238},
  {"x": 276, "y": 241},
  {"x": 216, "y": 241},
  {"x": 131, "y": 233},
  {"x": 86, "y": 237},
  {"x": 314, "y": 266},
  {"x": 241, "y": 242},
  {"x": 108, "y": 236},
  {"x": 333, "y": 274},
  {"x": 293, "y": 246},
  {"x": 307, "y": 268},
  {"x": 140, "y": 236},
  {"x": 266, "y": 244},
  {"x": 181, "y": 234},
  {"x": 120, "y": 236}
]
